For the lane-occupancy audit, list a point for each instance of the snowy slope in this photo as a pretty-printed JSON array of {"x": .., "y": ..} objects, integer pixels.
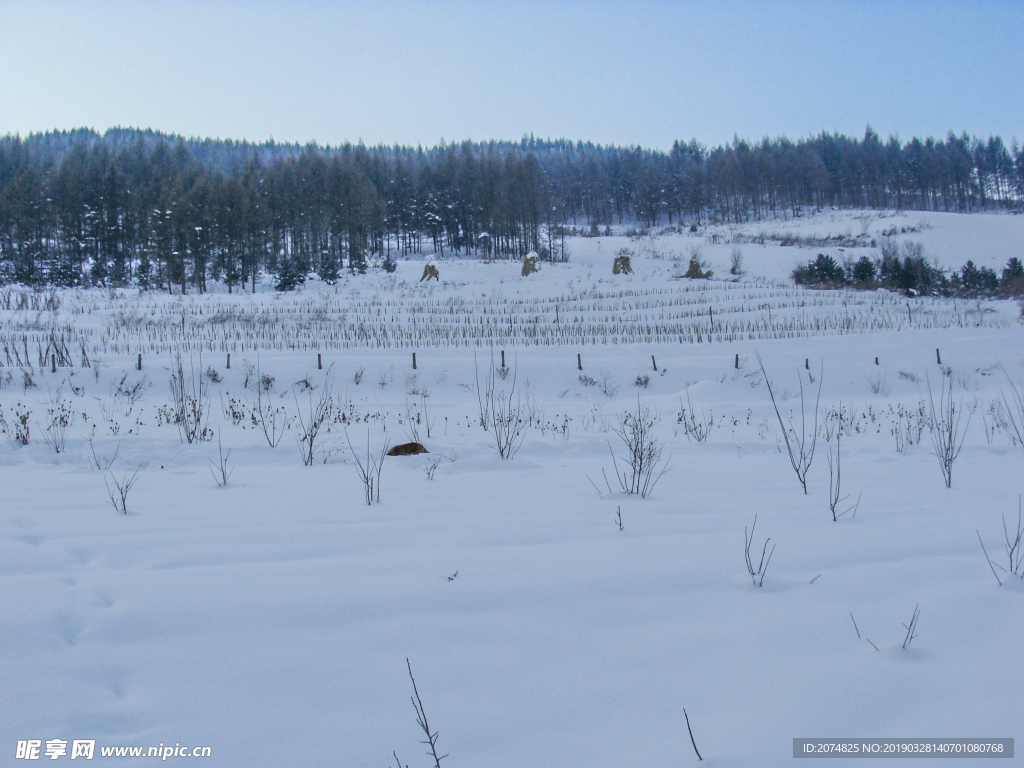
[{"x": 271, "y": 619}]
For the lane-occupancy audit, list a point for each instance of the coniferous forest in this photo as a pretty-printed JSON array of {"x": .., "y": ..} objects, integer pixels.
[{"x": 141, "y": 207}]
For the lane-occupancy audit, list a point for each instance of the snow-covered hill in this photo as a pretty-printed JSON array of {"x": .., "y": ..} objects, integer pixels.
[{"x": 271, "y": 619}]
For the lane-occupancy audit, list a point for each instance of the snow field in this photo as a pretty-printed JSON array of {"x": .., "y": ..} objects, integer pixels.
[{"x": 271, "y": 619}]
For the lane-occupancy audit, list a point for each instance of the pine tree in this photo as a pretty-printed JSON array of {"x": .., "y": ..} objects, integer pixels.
[
  {"x": 329, "y": 270},
  {"x": 289, "y": 274},
  {"x": 357, "y": 262}
]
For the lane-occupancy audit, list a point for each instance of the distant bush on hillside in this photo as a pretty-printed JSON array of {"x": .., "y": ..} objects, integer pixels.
[
  {"x": 906, "y": 269},
  {"x": 823, "y": 272}
]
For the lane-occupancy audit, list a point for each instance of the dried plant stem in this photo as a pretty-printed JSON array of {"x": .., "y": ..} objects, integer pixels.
[{"x": 421, "y": 721}]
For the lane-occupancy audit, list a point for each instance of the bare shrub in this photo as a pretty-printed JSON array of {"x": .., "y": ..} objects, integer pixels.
[
  {"x": 511, "y": 414},
  {"x": 889, "y": 247},
  {"x": 220, "y": 470},
  {"x": 369, "y": 472},
  {"x": 432, "y": 465},
  {"x": 694, "y": 427},
  {"x": 947, "y": 434},
  {"x": 799, "y": 444},
  {"x": 411, "y": 423},
  {"x": 429, "y": 417},
  {"x": 130, "y": 392},
  {"x": 1013, "y": 548},
  {"x": 879, "y": 384},
  {"x": 911, "y": 628},
  {"x": 421, "y": 719},
  {"x": 119, "y": 493},
  {"x": 736, "y": 263},
  {"x": 845, "y": 420},
  {"x": 910, "y": 426},
  {"x": 190, "y": 392},
  {"x": 865, "y": 224},
  {"x": 59, "y": 417},
  {"x": 20, "y": 428},
  {"x": 272, "y": 420},
  {"x": 608, "y": 389},
  {"x": 643, "y": 451},
  {"x": 835, "y": 478},
  {"x": 1013, "y": 410},
  {"x": 251, "y": 373},
  {"x": 98, "y": 462},
  {"x": 318, "y": 409},
  {"x": 756, "y": 575},
  {"x": 417, "y": 416},
  {"x": 484, "y": 392}
]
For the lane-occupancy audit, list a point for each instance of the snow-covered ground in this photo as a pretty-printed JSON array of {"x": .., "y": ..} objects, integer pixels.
[{"x": 271, "y": 619}]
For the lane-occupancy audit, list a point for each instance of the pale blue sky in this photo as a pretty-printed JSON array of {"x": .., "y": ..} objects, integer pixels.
[{"x": 414, "y": 72}]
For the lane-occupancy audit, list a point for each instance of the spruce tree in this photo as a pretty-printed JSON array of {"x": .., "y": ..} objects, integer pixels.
[
  {"x": 289, "y": 274},
  {"x": 357, "y": 261}
]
